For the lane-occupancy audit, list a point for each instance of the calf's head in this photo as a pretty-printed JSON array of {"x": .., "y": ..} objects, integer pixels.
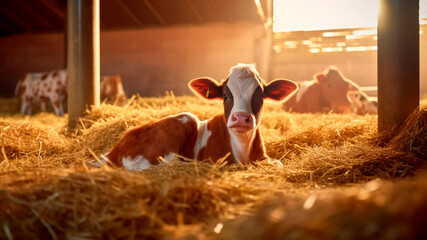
[
  {"x": 243, "y": 93},
  {"x": 335, "y": 88}
]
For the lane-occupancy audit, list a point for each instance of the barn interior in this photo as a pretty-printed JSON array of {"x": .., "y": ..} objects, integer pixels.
[
  {"x": 340, "y": 179},
  {"x": 200, "y": 39}
]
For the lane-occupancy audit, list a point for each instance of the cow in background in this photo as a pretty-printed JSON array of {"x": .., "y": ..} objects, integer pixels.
[
  {"x": 327, "y": 91},
  {"x": 52, "y": 85},
  {"x": 362, "y": 104},
  {"x": 233, "y": 135},
  {"x": 111, "y": 88},
  {"x": 41, "y": 87}
]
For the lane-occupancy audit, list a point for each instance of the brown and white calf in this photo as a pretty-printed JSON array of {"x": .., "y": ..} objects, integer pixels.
[
  {"x": 52, "y": 85},
  {"x": 327, "y": 91},
  {"x": 40, "y": 87},
  {"x": 235, "y": 131}
]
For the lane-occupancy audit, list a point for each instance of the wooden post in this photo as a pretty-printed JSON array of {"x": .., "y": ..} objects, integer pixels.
[
  {"x": 82, "y": 57},
  {"x": 398, "y": 61},
  {"x": 263, "y": 45}
]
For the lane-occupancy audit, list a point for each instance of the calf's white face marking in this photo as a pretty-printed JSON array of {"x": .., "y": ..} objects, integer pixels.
[{"x": 242, "y": 85}]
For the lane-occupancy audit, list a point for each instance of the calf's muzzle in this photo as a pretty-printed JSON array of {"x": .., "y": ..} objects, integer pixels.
[{"x": 241, "y": 122}]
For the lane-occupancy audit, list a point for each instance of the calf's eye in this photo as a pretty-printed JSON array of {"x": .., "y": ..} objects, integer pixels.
[{"x": 225, "y": 97}]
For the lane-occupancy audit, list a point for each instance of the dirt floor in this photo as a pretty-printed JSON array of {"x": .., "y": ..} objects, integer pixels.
[{"x": 340, "y": 179}]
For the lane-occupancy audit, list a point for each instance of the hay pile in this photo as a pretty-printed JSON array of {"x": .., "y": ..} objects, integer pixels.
[
  {"x": 48, "y": 191},
  {"x": 377, "y": 210},
  {"x": 411, "y": 136}
]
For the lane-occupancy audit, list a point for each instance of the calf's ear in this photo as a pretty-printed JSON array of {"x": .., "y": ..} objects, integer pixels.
[
  {"x": 206, "y": 87},
  {"x": 280, "y": 89}
]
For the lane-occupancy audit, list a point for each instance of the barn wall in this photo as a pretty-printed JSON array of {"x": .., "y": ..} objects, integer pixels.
[
  {"x": 26, "y": 53},
  {"x": 150, "y": 61}
]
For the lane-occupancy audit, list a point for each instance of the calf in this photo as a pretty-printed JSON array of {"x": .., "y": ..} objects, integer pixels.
[
  {"x": 235, "y": 131},
  {"x": 328, "y": 91},
  {"x": 40, "y": 87},
  {"x": 112, "y": 89}
]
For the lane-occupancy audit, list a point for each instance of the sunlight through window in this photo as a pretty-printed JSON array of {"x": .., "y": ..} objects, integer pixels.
[{"x": 306, "y": 15}]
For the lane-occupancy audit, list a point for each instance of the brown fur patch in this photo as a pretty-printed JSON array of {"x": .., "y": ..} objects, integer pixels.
[
  {"x": 228, "y": 101},
  {"x": 156, "y": 139},
  {"x": 218, "y": 144},
  {"x": 257, "y": 102},
  {"x": 258, "y": 151}
]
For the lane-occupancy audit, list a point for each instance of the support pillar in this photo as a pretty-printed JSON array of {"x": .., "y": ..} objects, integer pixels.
[
  {"x": 398, "y": 61},
  {"x": 82, "y": 57}
]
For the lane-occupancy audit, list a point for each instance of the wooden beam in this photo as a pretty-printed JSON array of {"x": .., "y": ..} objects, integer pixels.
[
  {"x": 83, "y": 58},
  {"x": 194, "y": 9},
  {"x": 130, "y": 13},
  {"x": 15, "y": 19},
  {"x": 398, "y": 61},
  {"x": 52, "y": 8},
  {"x": 154, "y": 11},
  {"x": 38, "y": 16}
]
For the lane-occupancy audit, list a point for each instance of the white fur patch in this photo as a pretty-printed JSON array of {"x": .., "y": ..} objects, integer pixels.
[
  {"x": 203, "y": 135},
  {"x": 169, "y": 157},
  {"x": 241, "y": 145},
  {"x": 186, "y": 116},
  {"x": 184, "y": 119},
  {"x": 242, "y": 83},
  {"x": 138, "y": 163},
  {"x": 302, "y": 89}
]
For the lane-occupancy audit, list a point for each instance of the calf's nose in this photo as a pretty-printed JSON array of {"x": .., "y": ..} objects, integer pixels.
[
  {"x": 241, "y": 121},
  {"x": 241, "y": 118}
]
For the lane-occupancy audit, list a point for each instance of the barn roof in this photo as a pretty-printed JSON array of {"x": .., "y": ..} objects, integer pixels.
[{"x": 21, "y": 16}]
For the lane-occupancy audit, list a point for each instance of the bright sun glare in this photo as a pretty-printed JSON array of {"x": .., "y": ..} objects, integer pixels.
[{"x": 306, "y": 15}]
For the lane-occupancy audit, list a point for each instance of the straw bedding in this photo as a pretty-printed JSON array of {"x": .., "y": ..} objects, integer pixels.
[{"x": 329, "y": 185}]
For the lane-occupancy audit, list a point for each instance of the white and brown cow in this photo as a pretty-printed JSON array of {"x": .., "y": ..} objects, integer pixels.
[
  {"x": 52, "y": 85},
  {"x": 41, "y": 87},
  {"x": 236, "y": 131},
  {"x": 327, "y": 91}
]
